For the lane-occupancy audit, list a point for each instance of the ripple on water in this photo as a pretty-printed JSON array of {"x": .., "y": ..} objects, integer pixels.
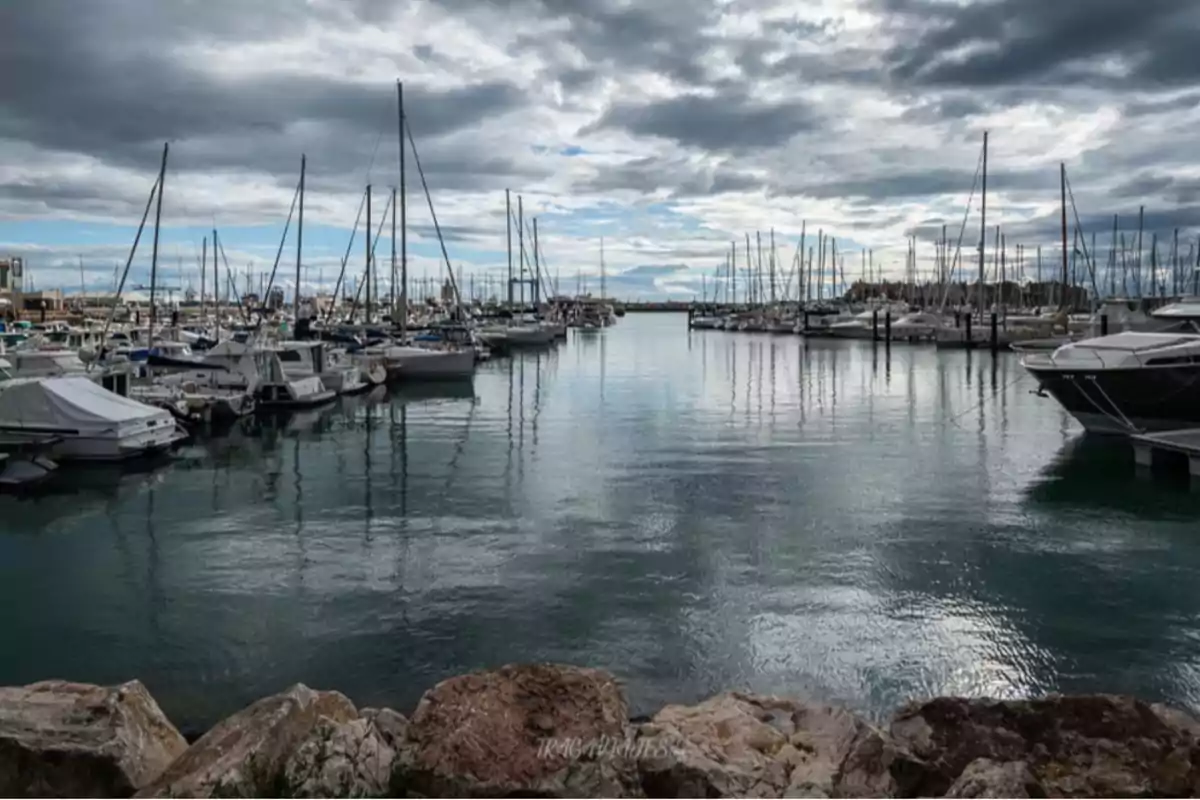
[{"x": 694, "y": 511}]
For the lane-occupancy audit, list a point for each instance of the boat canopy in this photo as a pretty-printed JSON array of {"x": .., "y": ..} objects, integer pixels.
[{"x": 72, "y": 404}]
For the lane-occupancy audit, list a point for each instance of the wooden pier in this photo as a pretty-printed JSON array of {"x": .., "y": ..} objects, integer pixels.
[{"x": 1184, "y": 442}]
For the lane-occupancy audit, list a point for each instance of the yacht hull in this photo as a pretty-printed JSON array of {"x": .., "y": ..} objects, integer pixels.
[
  {"x": 435, "y": 365},
  {"x": 1113, "y": 400},
  {"x": 852, "y": 331},
  {"x": 74, "y": 446}
]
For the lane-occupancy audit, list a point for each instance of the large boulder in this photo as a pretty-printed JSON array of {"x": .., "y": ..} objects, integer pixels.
[
  {"x": 520, "y": 730},
  {"x": 346, "y": 759},
  {"x": 246, "y": 754},
  {"x": 1071, "y": 746},
  {"x": 746, "y": 745},
  {"x": 61, "y": 739},
  {"x": 986, "y": 778}
]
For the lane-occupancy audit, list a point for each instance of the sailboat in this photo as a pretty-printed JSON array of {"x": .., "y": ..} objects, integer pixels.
[{"x": 404, "y": 361}]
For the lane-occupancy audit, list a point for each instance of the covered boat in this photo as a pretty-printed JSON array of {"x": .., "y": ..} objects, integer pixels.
[{"x": 91, "y": 422}]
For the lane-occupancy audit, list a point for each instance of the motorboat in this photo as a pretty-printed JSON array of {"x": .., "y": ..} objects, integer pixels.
[
  {"x": 302, "y": 359},
  {"x": 861, "y": 326},
  {"x": 1129, "y": 381},
  {"x": 256, "y": 370},
  {"x": 45, "y": 363},
  {"x": 919, "y": 325},
  {"x": 501, "y": 337},
  {"x": 279, "y": 390},
  {"x": 88, "y": 422}
]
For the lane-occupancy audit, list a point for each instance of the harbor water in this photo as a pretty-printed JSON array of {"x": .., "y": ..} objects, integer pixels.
[{"x": 693, "y": 511}]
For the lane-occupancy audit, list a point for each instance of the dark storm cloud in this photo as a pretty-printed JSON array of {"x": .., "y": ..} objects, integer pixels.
[
  {"x": 923, "y": 183},
  {"x": 728, "y": 122},
  {"x": 1155, "y": 186},
  {"x": 665, "y": 36},
  {"x": 676, "y": 175},
  {"x": 123, "y": 88},
  {"x": 1101, "y": 43}
]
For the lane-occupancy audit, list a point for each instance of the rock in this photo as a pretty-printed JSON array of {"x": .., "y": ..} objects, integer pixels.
[
  {"x": 1073, "y": 746},
  {"x": 349, "y": 759},
  {"x": 245, "y": 755},
  {"x": 392, "y": 725},
  {"x": 759, "y": 746},
  {"x": 62, "y": 739},
  {"x": 520, "y": 730},
  {"x": 986, "y": 778}
]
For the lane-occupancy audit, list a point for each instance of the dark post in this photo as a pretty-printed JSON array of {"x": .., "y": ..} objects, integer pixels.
[
  {"x": 995, "y": 334},
  {"x": 967, "y": 318},
  {"x": 805, "y": 328},
  {"x": 875, "y": 325},
  {"x": 887, "y": 327},
  {"x": 1104, "y": 324}
]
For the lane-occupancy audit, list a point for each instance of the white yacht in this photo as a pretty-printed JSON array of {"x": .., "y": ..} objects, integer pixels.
[
  {"x": 45, "y": 363},
  {"x": 280, "y": 390},
  {"x": 860, "y": 326},
  {"x": 303, "y": 359},
  {"x": 1130, "y": 381},
  {"x": 920, "y": 325},
  {"x": 83, "y": 420}
]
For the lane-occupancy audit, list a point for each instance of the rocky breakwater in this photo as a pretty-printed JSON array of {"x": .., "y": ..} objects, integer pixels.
[{"x": 558, "y": 731}]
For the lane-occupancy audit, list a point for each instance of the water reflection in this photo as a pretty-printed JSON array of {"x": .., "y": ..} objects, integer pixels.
[{"x": 695, "y": 511}]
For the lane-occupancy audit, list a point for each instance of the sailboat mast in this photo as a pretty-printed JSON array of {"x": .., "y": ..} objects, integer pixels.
[
  {"x": 367, "y": 274},
  {"x": 508, "y": 233},
  {"x": 1062, "y": 172},
  {"x": 521, "y": 245},
  {"x": 983, "y": 226},
  {"x": 162, "y": 175},
  {"x": 602, "y": 268},
  {"x": 403, "y": 219},
  {"x": 392, "y": 281},
  {"x": 299, "y": 240},
  {"x": 203, "y": 267}
]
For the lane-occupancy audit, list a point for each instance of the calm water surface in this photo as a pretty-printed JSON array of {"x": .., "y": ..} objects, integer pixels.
[{"x": 694, "y": 512}]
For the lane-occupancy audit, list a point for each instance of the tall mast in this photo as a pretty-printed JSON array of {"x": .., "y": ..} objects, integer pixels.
[
  {"x": 367, "y": 274},
  {"x": 392, "y": 282},
  {"x": 602, "y": 268},
  {"x": 299, "y": 241},
  {"x": 800, "y": 275},
  {"x": 521, "y": 243},
  {"x": 508, "y": 232},
  {"x": 403, "y": 218},
  {"x": 162, "y": 175},
  {"x": 772, "y": 266},
  {"x": 1062, "y": 173},
  {"x": 537, "y": 265},
  {"x": 203, "y": 266},
  {"x": 983, "y": 226},
  {"x": 750, "y": 294},
  {"x": 733, "y": 269},
  {"x": 216, "y": 288}
]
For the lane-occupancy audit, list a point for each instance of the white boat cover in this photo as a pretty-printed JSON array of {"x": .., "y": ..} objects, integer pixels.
[{"x": 74, "y": 404}]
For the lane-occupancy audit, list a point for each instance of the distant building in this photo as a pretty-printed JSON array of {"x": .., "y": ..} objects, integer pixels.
[
  {"x": 11, "y": 273},
  {"x": 49, "y": 299}
]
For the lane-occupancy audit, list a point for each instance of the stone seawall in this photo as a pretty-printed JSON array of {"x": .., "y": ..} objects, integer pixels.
[{"x": 550, "y": 730}]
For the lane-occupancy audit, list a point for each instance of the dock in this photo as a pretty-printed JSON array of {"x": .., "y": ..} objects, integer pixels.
[{"x": 1185, "y": 442}]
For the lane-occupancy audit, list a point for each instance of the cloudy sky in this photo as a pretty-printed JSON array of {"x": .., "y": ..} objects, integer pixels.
[{"x": 668, "y": 128}]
